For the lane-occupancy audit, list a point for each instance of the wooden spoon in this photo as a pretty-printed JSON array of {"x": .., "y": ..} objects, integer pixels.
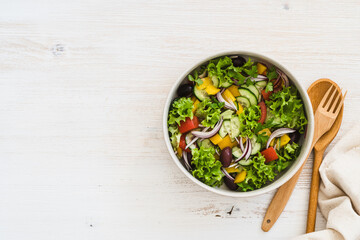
[
  {"x": 321, "y": 87},
  {"x": 316, "y": 92}
]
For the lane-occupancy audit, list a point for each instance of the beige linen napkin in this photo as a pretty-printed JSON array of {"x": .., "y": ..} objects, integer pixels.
[{"x": 339, "y": 194}]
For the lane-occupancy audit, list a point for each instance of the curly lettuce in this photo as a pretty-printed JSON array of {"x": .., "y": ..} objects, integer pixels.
[
  {"x": 249, "y": 121},
  {"x": 257, "y": 174},
  {"x": 174, "y": 135},
  {"x": 180, "y": 109},
  {"x": 287, "y": 109},
  {"x": 209, "y": 111},
  {"x": 224, "y": 69},
  {"x": 287, "y": 155},
  {"x": 206, "y": 168}
]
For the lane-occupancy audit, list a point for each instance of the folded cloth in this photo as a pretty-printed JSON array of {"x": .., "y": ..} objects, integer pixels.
[{"x": 339, "y": 194}]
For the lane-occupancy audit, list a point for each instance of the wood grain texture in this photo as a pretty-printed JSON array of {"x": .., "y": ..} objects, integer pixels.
[{"x": 82, "y": 91}]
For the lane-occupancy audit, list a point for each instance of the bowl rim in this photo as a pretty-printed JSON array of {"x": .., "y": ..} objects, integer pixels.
[{"x": 304, "y": 149}]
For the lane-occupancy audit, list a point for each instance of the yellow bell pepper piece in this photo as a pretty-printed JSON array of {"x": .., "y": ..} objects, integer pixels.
[
  {"x": 196, "y": 103},
  {"x": 261, "y": 68},
  {"x": 179, "y": 151},
  {"x": 216, "y": 139},
  {"x": 234, "y": 90},
  {"x": 266, "y": 131},
  {"x": 206, "y": 82},
  {"x": 240, "y": 177},
  {"x": 226, "y": 142},
  {"x": 241, "y": 109},
  {"x": 193, "y": 99},
  {"x": 211, "y": 90},
  {"x": 284, "y": 139},
  {"x": 227, "y": 95},
  {"x": 233, "y": 169}
]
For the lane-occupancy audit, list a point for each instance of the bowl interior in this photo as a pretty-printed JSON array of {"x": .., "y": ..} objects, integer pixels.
[{"x": 305, "y": 140}]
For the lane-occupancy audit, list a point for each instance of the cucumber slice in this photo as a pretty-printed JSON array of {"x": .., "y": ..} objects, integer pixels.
[
  {"x": 260, "y": 85},
  {"x": 243, "y": 101},
  {"x": 188, "y": 138},
  {"x": 255, "y": 145},
  {"x": 234, "y": 127},
  {"x": 227, "y": 126},
  {"x": 205, "y": 143},
  {"x": 254, "y": 90},
  {"x": 200, "y": 94},
  {"x": 226, "y": 84},
  {"x": 223, "y": 131},
  {"x": 249, "y": 95},
  {"x": 236, "y": 152},
  {"x": 245, "y": 162},
  {"x": 227, "y": 114},
  {"x": 215, "y": 81}
]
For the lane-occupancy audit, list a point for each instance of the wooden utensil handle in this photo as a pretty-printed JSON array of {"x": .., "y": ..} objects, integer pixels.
[
  {"x": 314, "y": 191},
  {"x": 279, "y": 201},
  {"x": 282, "y": 196}
]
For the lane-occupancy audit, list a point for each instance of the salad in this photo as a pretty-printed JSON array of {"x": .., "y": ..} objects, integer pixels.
[{"x": 236, "y": 122}]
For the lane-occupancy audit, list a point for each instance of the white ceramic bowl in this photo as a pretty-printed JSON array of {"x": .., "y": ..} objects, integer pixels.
[{"x": 282, "y": 177}]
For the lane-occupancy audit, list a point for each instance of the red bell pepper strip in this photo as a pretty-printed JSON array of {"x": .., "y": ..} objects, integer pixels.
[
  {"x": 266, "y": 95},
  {"x": 189, "y": 124},
  {"x": 182, "y": 143},
  {"x": 263, "y": 112},
  {"x": 269, "y": 154}
]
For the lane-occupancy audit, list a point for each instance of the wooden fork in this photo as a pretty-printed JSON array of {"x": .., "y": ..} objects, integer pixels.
[{"x": 325, "y": 116}]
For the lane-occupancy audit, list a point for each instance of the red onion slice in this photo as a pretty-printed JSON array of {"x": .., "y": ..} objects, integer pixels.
[
  {"x": 241, "y": 144},
  {"x": 245, "y": 152},
  {"x": 186, "y": 161},
  {"x": 249, "y": 150},
  {"x": 231, "y": 103},
  {"x": 279, "y": 133},
  {"x": 195, "y": 138},
  {"x": 217, "y": 152},
  {"x": 233, "y": 165},
  {"x": 259, "y": 78},
  {"x": 221, "y": 99},
  {"x": 283, "y": 77},
  {"x": 209, "y": 134},
  {"x": 227, "y": 174}
]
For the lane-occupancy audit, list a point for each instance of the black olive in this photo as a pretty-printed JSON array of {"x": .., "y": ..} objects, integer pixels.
[
  {"x": 230, "y": 184},
  {"x": 239, "y": 61},
  {"x": 185, "y": 90},
  {"x": 226, "y": 157},
  {"x": 294, "y": 137}
]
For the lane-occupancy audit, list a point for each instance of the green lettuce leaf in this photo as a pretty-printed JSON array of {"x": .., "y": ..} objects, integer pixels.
[
  {"x": 272, "y": 74},
  {"x": 287, "y": 155},
  {"x": 287, "y": 108},
  {"x": 206, "y": 168},
  {"x": 224, "y": 69},
  {"x": 180, "y": 109},
  {"x": 269, "y": 87},
  {"x": 209, "y": 110},
  {"x": 257, "y": 174},
  {"x": 174, "y": 136},
  {"x": 195, "y": 76},
  {"x": 249, "y": 121}
]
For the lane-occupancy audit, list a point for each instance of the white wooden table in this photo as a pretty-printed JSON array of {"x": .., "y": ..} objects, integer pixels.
[{"x": 82, "y": 91}]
